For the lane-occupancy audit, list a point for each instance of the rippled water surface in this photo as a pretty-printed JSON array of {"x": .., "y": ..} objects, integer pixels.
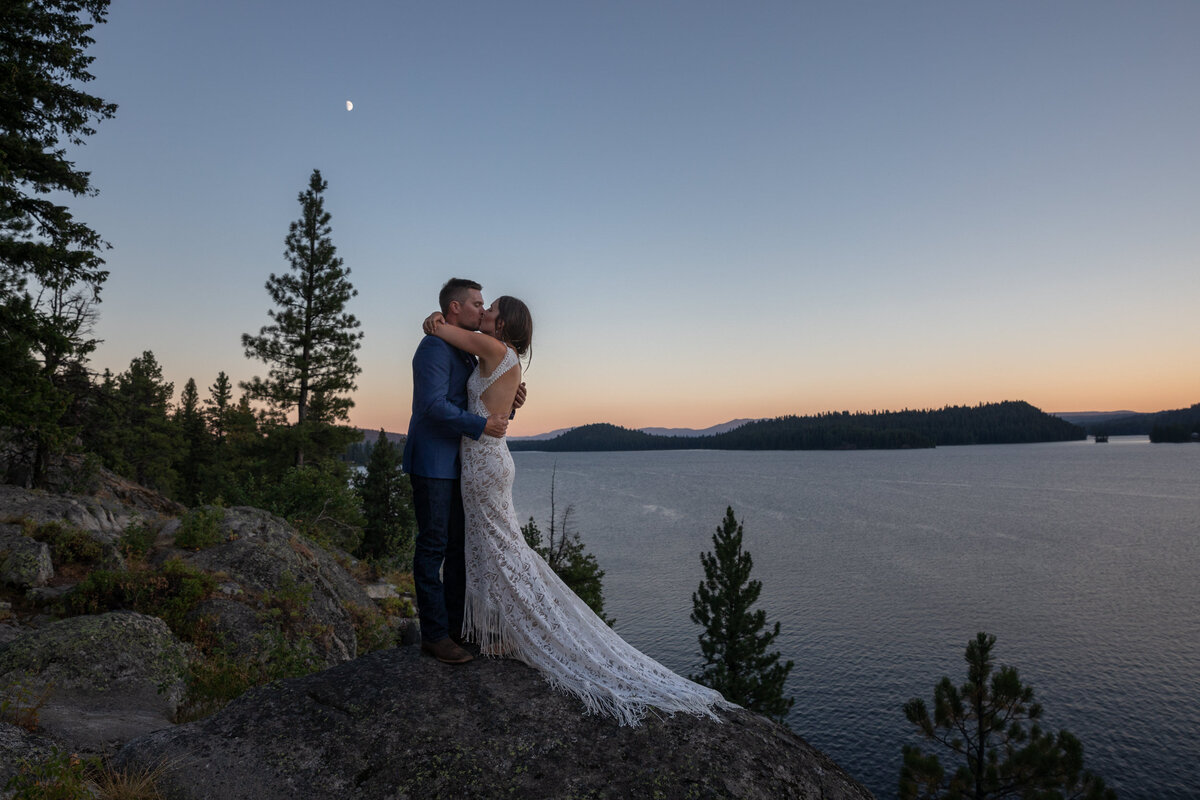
[{"x": 1082, "y": 559}]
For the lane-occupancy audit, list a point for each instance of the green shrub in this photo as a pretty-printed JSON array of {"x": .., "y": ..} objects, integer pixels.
[
  {"x": 287, "y": 603},
  {"x": 171, "y": 592},
  {"x": 287, "y": 649},
  {"x": 20, "y": 705},
  {"x": 68, "y": 544},
  {"x": 221, "y": 675},
  {"x": 319, "y": 503},
  {"x": 371, "y": 630},
  {"x": 136, "y": 540},
  {"x": 62, "y": 776},
  {"x": 398, "y": 606},
  {"x": 212, "y": 681},
  {"x": 201, "y": 528},
  {"x": 286, "y": 658}
]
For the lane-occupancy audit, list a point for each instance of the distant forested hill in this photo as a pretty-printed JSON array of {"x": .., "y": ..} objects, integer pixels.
[
  {"x": 992, "y": 423},
  {"x": 603, "y": 436},
  {"x": 1166, "y": 421},
  {"x": 1181, "y": 425}
]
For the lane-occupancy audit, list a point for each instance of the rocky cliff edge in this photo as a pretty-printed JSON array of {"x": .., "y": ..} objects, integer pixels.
[{"x": 396, "y": 724}]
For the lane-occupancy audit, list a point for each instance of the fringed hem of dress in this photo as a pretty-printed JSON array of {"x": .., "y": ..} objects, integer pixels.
[
  {"x": 517, "y": 606},
  {"x": 485, "y": 625}
]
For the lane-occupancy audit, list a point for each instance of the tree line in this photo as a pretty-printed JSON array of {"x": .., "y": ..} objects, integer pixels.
[
  {"x": 1175, "y": 425},
  {"x": 1009, "y": 422},
  {"x": 1181, "y": 425}
]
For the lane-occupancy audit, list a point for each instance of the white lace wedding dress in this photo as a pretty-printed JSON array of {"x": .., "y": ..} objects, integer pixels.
[{"x": 516, "y": 605}]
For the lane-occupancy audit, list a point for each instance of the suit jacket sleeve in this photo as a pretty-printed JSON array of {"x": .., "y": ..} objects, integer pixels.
[{"x": 432, "y": 370}]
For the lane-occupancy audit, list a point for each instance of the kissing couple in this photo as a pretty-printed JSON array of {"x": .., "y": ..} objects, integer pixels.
[{"x": 493, "y": 589}]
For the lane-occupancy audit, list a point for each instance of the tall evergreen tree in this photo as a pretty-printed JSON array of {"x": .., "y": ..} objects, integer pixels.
[
  {"x": 64, "y": 319},
  {"x": 217, "y": 406},
  {"x": 148, "y": 443},
  {"x": 239, "y": 460},
  {"x": 734, "y": 642},
  {"x": 43, "y": 62},
  {"x": 32, "y": 406},
  {"x": 311, "y": 342},
  {"x": 984, "y": 724},
  {"x": 195, "y": 444},
  {"x": 101, "y": 424},
  {"x": 387, "y": 505},
  {"x": 50, "y": 267}
]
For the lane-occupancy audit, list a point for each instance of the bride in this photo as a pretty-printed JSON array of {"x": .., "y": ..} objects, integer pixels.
[{"x": 516, "y": 605}]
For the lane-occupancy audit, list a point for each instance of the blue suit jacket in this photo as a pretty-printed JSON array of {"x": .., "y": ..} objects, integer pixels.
[{"x": 439, "y": 410}]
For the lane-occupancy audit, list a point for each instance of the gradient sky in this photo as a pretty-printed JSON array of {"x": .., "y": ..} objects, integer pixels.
[{"x": 713, "y": 209}]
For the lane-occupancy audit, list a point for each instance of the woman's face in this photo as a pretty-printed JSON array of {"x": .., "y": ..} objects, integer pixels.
[{"x": 487, "y": 323}]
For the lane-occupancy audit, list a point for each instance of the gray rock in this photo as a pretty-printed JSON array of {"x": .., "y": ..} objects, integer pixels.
[
  {"x": 395, "y": 724},
  {"x": 17, "y": 745},
  {"x": 110, "y": 677},
  {"x": 261, "y": 553},
  {"x": 105, "y": 519},
  {"x": 146, "y": 503},
  {"x": 380, "y": 590},
  {"x": 43, "y": 596},
  {"x": 24, "y": 563},
  {"x": 9, "y": 630}
]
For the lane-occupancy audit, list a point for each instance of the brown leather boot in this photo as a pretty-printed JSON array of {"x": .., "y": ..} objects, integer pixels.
[{"x": 446, "y": 651}]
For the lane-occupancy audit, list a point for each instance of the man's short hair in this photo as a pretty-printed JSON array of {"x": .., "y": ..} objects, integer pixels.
[{"x": 456, "y": 289}]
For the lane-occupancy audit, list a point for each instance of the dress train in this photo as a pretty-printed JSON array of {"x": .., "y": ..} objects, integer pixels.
[{"x": 516, "y": 605}]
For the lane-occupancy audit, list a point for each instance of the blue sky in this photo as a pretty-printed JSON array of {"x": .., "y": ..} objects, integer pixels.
[{"x": 714, "y": 210}]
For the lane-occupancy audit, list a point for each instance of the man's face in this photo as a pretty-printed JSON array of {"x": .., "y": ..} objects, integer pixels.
[{"x": 470, "y": 312}]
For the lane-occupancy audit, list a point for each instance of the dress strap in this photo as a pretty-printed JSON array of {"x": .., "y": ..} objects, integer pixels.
[{"x": 508, "y": 362}]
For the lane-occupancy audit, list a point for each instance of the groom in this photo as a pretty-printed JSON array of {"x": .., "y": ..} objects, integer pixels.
[{"x": 439, "y": 420}]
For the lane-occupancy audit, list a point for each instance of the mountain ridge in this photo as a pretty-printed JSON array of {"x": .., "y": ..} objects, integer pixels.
[
  {"x": 1008, "y": 422},
  {"x": 1122, "y": 422}
]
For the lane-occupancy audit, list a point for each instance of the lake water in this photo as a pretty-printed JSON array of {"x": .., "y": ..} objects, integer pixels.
[{"x": 1083, "y": 560}]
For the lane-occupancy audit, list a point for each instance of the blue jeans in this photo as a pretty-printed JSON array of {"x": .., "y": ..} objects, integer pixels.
[{"x": 439, "y": 548}]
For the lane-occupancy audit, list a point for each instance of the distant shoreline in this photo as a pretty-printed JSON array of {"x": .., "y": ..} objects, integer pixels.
[
  {"x": 1009, "y": 422},
  {"x": 1112, "y": 423}
]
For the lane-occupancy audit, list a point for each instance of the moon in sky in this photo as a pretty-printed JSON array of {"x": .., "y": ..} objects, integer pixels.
[{"x": 349, "y": 106}]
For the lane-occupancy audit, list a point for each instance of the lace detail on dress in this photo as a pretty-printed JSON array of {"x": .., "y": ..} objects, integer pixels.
[
  {"x": 517, "y": 606},
  {"x": 474, "y": 396}
]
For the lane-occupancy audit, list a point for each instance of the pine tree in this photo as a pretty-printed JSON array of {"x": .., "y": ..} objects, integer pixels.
[
  {"x": 147, "y": 442},
  {"x": 387, "y": 506},
  {"x": 217, "y": 407},
  {"x": 195, "y": 445},
  {"x": 31, "y": 404},
  {"x": 43, "y": 62},
  {"x": 238, "y": 467},
  {"x": 734, "y": 642},
  {"x": 50, "y": 267},
  {"x": 311, "y": 342},
  {"x": 101, "y": 426},
  {"x": 984, "y": 723}
]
